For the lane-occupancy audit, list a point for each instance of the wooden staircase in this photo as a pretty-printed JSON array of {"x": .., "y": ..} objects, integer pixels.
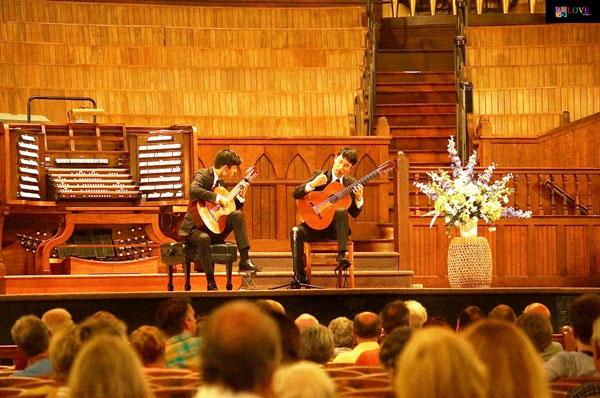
[{"x": 415, "y": 88}]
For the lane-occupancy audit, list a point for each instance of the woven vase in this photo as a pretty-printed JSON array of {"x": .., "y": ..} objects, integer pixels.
[{"x": 469, "y": 262}]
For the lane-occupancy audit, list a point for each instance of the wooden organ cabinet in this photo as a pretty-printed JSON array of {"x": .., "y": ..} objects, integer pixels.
[{"x": 86, "y": 197}]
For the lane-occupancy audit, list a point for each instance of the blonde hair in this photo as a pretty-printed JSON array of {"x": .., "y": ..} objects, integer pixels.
[
  {"x": 437, "y": 363},
  {"x": 107, "y": 366},
  {"x": 513, "y": 362},
  {"x": 303, "y": 380}
]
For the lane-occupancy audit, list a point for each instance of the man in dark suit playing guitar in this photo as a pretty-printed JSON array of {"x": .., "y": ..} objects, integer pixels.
[
  {"x": 199, "y": 237},
  {"x": 338, "y": 226}
]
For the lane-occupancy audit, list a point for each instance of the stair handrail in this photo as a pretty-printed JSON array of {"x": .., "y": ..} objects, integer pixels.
[
  {"x": 568, "y": 198},
  {"x": 464, "y": 89},
  {"x": 372, "y": 51}
]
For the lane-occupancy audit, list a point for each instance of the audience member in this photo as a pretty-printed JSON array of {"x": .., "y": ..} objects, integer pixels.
[
  {"x": 290, "y": 337},
  {"x": 316, "y": 344},
  {"x": 176, "y": 319},
  {"x": 102, "y": 325},
  {"x": 539, "y": 330},
  {"x": 437, "y": 321},
  {"x": 30, "y": 334},
  {"x": 469, "y": 316},
  {"x": 108, "y": 367},
  {"x": 56, "y": 320},
  {"x": 394, "y": 315},
  {"x": 150, "y": 345},
  {"x": 538, "y": 308},
  {"x": 268, "y": 304},
  {"x": 305, "y": 320},
  {"x": 240, "y": 352},
  {"x": 513, "y": 364},
  {"x": 582, "y": 312},
  {"x": 341, "y": 327},
  {"x": 392, "y": 346},
  {"x": 64, "y": 347},
  {"x": 591, "y": 389},
  {"x": 366, "y": 330},
  {"x": 418, "y": 313},
  {"x": 436, "y": 363},
  {"x": 503, "y": 312},
  {"x": 303, "y": 380}
]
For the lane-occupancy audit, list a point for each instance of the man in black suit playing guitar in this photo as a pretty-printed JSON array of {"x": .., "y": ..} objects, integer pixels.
[
  {"x": 338, "y": 228},
  {"x": 199, "y": 238}
]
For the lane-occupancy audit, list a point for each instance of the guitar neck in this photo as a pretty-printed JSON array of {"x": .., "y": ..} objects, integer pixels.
[
  {"x": 235, "y": 191},
  {"x": 349, "y": 188}
]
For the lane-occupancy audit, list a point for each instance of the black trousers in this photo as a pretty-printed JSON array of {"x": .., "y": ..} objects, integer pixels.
[
  {"x": 198, "y": 241},
  {"x": 337, "y": 230}
]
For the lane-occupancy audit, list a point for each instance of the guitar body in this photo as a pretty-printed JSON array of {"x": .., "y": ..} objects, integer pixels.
[
  {"x": 211, "y": 215},
  {"x": 320, "y": 216}
]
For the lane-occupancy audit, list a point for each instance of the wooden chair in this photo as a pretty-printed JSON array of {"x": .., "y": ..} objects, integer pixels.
[
  {"x": 175, "y": 381},
  {"x": 24, "y": 382},
  {"x": 6, "y": 392},
  {"x": 164, "y": 372},
  {"x": 368, "y": 370},
  {"x": 368, "y": 393},
  {"x": 344, "y": 278},
  {"x": 361, "y": 383},
  {"x": 175, "y": 392},
  {"x": 342, "y": 372}
]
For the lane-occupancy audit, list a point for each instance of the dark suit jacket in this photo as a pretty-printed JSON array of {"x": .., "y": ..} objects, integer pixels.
[
  {"x": 200, "y": 189},
  {"x": 300, "y": 190}
]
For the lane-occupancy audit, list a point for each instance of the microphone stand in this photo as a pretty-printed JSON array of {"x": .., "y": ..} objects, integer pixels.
[{"x": 295, "y": 283}]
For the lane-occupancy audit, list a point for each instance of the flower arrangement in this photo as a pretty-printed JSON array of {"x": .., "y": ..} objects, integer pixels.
[{"x": 465, "y": 197}]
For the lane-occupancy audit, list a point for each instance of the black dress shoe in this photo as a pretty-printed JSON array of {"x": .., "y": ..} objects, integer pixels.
[
  {"x": 212, "y": 286},
  {"x": 248, "y": 265},
  {"x": 343, "y": 263}
]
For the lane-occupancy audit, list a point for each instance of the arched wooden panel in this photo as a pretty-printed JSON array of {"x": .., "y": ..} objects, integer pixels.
[
  {"x": 262, "y": 221},
  {"x": 297, "y": 169}
]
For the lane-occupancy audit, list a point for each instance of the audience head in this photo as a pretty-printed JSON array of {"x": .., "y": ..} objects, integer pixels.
[
  {"x": 175, "y": 316},
  {"x": 438, "y": 363},
  {"x": 290, "y": 337},
  {"x": 367, "y": 326},
  {"x": 241, "y": 348},
  {"x": 503, "y": 312},
  {"x": 596, "y": 344},
  {"x": 270, "y": 305},
  {"x": 64, "y": 347},
  {"x": 305, "y": 320},
  {"x": 469, "y": 316},
  {"x": 582, "y": 313},
  {"x": 30, "y": 334},
  {"x": 316, "y": 344},
  {"x": 538, "y": 308},
  {"x": 341, "y": 328},
  {"x": 418, "y": 313},
  {"x": 96, "y": 326},
  {"x": 514, "y": 365},
  {"x": 437, "y": 321},
  {"x": 392, "y": 346},
  {"x": 57, "y": 319},
  {"x": 292, "y": 382},
  {"x": 150, "y": 344},
  {"x": 537, "y": 328},
  {"x": 107, "y": 367},
  {"x": 394, "y": 315}
]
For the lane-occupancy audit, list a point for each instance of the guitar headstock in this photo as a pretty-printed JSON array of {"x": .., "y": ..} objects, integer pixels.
[
  {"x": 251, "y": 173},
  {"x": 386, "y": 167}
]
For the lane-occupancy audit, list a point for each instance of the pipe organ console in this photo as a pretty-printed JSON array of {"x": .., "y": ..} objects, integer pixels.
[{"x": 79, "y": 176}]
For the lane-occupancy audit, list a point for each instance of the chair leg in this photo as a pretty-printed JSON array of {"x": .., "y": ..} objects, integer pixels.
[
  {"x": 187, "y": 269},
  {"x": 170, "y": 277},
  {"x": 229, "y": 270}
]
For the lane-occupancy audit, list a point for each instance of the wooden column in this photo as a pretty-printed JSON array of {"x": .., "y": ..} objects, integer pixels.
[{"x": 402, "y": 211}]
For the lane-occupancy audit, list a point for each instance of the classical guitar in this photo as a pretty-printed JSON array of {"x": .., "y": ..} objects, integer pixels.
[
  {"x": 213, "y": 215},
  {"x": 317, "y": 208}
]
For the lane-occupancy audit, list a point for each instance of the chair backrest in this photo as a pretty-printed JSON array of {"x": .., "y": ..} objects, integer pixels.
[
  {"x": 369, "y": 393},
  {"x": 6, "y": 392},
  {"x": 174, "y": 381},
  {"x": 342, "y": 372},
  {"x": 22, "y": 382},
  {"x": 361, "y": 382},
  {"x": 175, "y": 392},
  {"x": 162, "y": 372},
  {"x": 367, "y": 370},
  {"x": 569, "y": 343}
]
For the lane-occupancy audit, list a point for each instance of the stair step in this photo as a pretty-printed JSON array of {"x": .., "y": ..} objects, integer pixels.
[
  {"x": 414, "y": 77},
  {"x": 407, "y": 143},
  {"x": 327, "y": 279},
  {"x": 402, "y": 109},
  {"x": 417, "y": 157},
  {"x": 422, "y": 131},
  {"x": 420, "y": 119},
  {"x": 415, "y": 60},
  {"x": 364, "y": 261},
  {"x": 415, "y": 86},
  {"x": 411, "y": 97}
]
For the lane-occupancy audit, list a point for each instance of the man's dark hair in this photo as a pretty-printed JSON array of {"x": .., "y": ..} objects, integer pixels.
[
  {"x": 470, "y": 315},
  {"x": 583, "y": 312},
  {"x": 31, "y": 335},
  {"x": 349, "y": 154},
  {"x": 290, "y": 336},
  {"x": 367, "y": 325},
  {"x": 392, "y": 346},
  {"x": 171, "y": 314},
  {"x": 394, "y": 315},
  {"x": 537, "y": 328},
  {"x": 241, "y": 347},
  {"x": 503, "y": 312},
  {"x": 227, "y": 157}
]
